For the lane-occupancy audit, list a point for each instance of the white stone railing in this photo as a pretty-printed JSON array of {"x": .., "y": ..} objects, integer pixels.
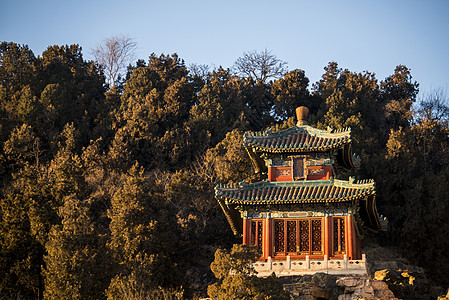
[{"x": 288, "y": 267}]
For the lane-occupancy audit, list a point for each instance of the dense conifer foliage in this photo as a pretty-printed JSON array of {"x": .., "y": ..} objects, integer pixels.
[
  {"x": 236, "y": 277},
  {"x": 109, "y": 193}
]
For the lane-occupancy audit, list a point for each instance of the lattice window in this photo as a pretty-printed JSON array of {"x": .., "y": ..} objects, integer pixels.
[
  {"x": 259, "y": 235},
  {"x": 304, "y": 230},
  {"x": 279, "y": 236},
  {"x": 253, "y": 233},
  {"x": 286, "y": 172},
  {"x": 298, "y": 236},
  {"x": 291, "y": 236},
  {"x": 256, "y": 234},
  {"x": 314, "y": 171},
  {"x": 339, "y": 237},
  {"x": 316, "y": 235}
]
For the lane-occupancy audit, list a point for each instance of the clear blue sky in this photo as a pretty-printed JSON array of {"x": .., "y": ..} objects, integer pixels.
[{"x": 374, "y": 35}]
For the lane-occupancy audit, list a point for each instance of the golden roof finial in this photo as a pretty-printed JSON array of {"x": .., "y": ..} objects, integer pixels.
[{"x": 302, "y": 113}]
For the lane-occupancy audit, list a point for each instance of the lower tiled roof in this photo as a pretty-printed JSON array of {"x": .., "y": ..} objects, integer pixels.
[{"x": 295, "y": 192}]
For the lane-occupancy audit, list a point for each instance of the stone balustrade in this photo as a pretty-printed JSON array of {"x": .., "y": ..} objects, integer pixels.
[{"x": 289, "y": 267}]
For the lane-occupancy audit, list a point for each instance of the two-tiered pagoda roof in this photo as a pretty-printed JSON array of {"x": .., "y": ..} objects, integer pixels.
[{"x": 304, "y": 152}]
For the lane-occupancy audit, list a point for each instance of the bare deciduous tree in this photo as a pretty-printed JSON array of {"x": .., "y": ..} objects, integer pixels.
[
  {"x": 113, "y": 55},
  {"x": 261, "y": 66},
  {"x": 434, "y": 106},
  {"x": 200, "y": 71}
]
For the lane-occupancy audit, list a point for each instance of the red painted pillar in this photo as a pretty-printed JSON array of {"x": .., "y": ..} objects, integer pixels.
[
  {"x": 246, "y": 237},
  {"x": 327, "y": 236},
  {"x": 270, "y": 174},
  {"x": 268, "y": 244},
  {"x": 350, "y": 236}
]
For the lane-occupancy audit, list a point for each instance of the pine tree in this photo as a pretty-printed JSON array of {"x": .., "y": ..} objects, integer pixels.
[
  {"x": 399, "y": 93},
  {"x": 236, "y": 278},
  {"x": 290, "y": 92},
  {"x": 143, "y": 238},
  {"x": 76, "y": 262},
  {"x": 155, "y": 106}
]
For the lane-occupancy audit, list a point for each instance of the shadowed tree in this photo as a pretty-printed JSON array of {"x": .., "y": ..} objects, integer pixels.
[
  {"x": 17, "y": 86},
  {"x": 155, "y": 106},
  {"x": 414, "y": 194},
  {"x": 290, "y": 92},
  {"x": 399, "y": 93},
  {"x": 200, "y": 75},
  {"x": 219, "y": 108},
  {"x": 76, "y": 265},
  {"x": 143, "y": 237},
  {"x": 236, "y": 279},
  {"x": 72, "y": 90}
]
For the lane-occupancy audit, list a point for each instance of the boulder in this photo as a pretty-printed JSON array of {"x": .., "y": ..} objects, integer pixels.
[
  {"x": 446, "y": 297},
  {"x": 405, "y": 283},
  {"x": 324, "y": 286},
  {"x": 365, "y": 288}
]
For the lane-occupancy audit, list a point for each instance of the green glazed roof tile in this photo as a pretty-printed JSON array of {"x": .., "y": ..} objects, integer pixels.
[
  {"x": 295, "y": 192},
  {"x": 297, "y": 139}
]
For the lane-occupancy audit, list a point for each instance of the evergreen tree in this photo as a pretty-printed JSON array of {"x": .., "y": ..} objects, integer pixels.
[
  {"x": 143, "y": 238},
  {"x": 20, "y": 251},
  {"x": 155, "y": 106},
  {"x": 71, "y": 91},
  {"x": 76, "y": 265},
  {"x": 236, "y": 279},
  {"x": 351, "y": 100},
  {"x": 290, "y": 92},
  {"x": 219, "y": 109},
  {"x": 414, "y": 193},
  {"x": 230, "y": 160},
  {"x": 22, "y": 147},
  {"x": 399, "y": 93}
]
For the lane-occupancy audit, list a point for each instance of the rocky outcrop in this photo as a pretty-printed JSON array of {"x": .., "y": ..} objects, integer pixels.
[
  {"x": 364, "y": 288},
  {"x": 324, "y": 286},
  {"x": 405, "y": 280},
  {"x": 308, "y": 287},
  {"x": 404, "y": 283},
  {"x": 446, "y": 297}
]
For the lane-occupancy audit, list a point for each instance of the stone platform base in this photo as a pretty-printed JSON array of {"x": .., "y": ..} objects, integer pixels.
[{"x": 292, "y": 267}]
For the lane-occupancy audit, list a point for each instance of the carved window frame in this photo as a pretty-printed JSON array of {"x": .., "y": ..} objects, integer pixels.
[
  {"x": 256, "y": 233},
  {"x": 304, "y": 242},
  {"x": 339, "y": 235}
]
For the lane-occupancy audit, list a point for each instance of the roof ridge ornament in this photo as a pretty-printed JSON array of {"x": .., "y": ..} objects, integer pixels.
[{"x": 302, "y": 113}]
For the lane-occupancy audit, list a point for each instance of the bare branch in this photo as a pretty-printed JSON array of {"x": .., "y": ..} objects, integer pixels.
[
  {"x": 200, "y": 71},
  {"x": 260, "y": 66},
  {"x": 113, "y": 55},
  {"x": 434, "y": 106}
]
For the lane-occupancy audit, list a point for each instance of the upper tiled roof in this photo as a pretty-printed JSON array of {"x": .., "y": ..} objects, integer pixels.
[
  {"x": 297, "y": 139},
  {"x": 295, "y": 192}
]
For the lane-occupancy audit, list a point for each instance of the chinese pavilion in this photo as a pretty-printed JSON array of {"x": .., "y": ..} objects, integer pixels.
[{"x": 302, "y": 212}]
